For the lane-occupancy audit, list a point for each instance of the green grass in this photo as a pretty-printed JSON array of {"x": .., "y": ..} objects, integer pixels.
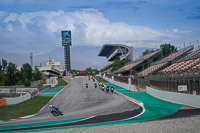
[
  {"x": 61, "y": 82},
  {"x": 28, "y": 107},
  {"x": 100, "y": 79}
]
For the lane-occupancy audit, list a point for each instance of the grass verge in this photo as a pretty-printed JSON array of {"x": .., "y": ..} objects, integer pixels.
[
  {"x": 61, "y": 83},
  {"x": 29, "y": 107},
  {"x": 100, "y": 79}
]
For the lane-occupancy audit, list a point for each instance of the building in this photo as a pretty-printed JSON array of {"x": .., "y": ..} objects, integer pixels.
[
  {"x": 53, "y": 69},
  {"x": 115, "y": 51}
]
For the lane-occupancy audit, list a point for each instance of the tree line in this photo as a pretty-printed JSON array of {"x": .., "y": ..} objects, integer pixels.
[
  {"x": 10, "y": 75},
  {"x": 166, "y": 50}
]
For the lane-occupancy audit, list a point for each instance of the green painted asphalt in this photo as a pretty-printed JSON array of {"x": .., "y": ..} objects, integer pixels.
[
  {"x": 52, "y": 90},
  {"x": 154, "y": 109}
]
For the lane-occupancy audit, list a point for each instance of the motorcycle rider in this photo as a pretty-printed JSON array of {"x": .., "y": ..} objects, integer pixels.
[
  {"x": 112, "y": 88},
  {"x": 86, "y": 85},
  {"x": 95, "y": 85},
  {"x": 107, "y": 88},
  {"x": 54, "y": 109},
  {"x": 102, "y": 87}
]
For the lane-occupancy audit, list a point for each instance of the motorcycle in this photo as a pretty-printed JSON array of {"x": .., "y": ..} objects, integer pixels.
[
  {"x": 95, "y": 85},
  {"x": 86, "y": 85},
  {"x": 56, "y": 112},
  {"x": 107, "y": 89},
  {"x": 112, "y": 89},
  {"x": 103, "y": 88}
]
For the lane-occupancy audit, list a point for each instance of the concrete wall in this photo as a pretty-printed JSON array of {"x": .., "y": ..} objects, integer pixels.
[
  {"x": 16, "y": 100},
  {"x": 52, "y": 81},
  {"x": 180, "y": 98},
  {"x": 123, "y": 85}
]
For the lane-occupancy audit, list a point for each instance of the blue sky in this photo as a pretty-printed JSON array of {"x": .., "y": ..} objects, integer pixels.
[{"x": 35, "y": 25}]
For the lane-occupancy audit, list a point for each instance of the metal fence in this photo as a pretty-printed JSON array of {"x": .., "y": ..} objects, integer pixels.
[
  {"x": 165, "y": 82},
  {"x": 173, "y": 81}
]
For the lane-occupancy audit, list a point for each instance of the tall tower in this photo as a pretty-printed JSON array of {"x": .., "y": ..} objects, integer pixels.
[
  {"x": 31, "y": 57},
  {"x": 66, "y": 42}
]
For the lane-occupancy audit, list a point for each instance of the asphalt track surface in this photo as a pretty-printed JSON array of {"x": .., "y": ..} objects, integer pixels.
[{"x": 77, "y": 101}]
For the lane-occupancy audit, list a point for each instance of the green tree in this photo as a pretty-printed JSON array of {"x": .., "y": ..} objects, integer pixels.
[
  {"x": 0, "y": 66},
  {"x": 3, "y": 78},
  {"x": 4, "y": 64},
  {"x": 167, "y": 49},
  {"x": 118, "y": 64},
  {"x": 64, "y": 73},
  {"x": 26, "y": 71},
  {"x": 88, "y": 69},
  {"x": 37, "y": 74},
  {"x": 11, "y": 74},
  {"x": 148, "y": 51}
]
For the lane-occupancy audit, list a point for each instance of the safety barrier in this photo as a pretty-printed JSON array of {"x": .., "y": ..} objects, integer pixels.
[
  {"x": 123, "y": 85},
  {"x": 16, "y": 100},
  {"x": 179, "y": 98}
]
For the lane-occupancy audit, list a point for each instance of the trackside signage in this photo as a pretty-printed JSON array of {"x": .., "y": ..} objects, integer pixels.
[
  {"x": 66, "y": 38},
  {"x": 182, "y": 88},
  {"x": 17, "y": 90}
]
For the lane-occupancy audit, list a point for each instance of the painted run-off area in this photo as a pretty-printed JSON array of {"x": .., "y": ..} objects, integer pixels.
[{"x": 52, "y": 90}]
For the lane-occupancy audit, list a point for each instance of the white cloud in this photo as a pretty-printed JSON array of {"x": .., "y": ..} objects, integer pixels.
[
  {"x": 175, "y": 30},
  {"x": 40, "y": 31}
]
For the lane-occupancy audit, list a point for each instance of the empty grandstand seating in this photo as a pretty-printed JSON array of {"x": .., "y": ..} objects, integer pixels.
[
  {"x": 183, "y": 66},
  {"x": 145, "y": 57},
  {"x": 193, "y": 55},
  {"x": 159, "y": 64},
  {"x": 131, "y": 65},
  {"x": 152, "y": 69},
  {"x": 177, "y": 54},
  {"x": 138, "y": 61}
]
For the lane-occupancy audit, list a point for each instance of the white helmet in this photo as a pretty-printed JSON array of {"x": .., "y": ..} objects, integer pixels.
[{"x": 50, "y": 106}]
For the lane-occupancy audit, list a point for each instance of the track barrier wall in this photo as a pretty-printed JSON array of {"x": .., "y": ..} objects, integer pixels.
[
  {"x": 179, "y": 98},
  {"x": 16, "y": 100},
  {"x": 123, "y": 85}
]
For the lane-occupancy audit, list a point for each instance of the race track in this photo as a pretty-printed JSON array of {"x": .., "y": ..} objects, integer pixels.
[{"x": 77, "y": 101}]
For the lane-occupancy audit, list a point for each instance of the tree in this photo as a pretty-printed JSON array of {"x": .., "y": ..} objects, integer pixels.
[
  {"x": 88, "y": 69},
  {"x": 0, "y": 66},
  {"x": 4, "y": 64},
  {"x": 118, "y": 64},
  {"x": 11, "y": 74},
  {"x": 26, "y": 71},
  {"x": 147, "y": 51},
  {"x": 167, "y": 49},
  {"x": 37, "y": 74},
  {"x": 64, "y": 73}
]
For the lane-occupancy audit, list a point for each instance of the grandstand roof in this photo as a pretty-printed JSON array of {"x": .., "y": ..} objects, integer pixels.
[
  {"x": 107, "y": 48},
  {"x": 137, "y": 62}
]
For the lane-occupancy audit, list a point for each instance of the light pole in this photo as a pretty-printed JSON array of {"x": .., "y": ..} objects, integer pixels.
[
  {"x": 31, "y": 57},
  {"x": 198, "y": 43}
]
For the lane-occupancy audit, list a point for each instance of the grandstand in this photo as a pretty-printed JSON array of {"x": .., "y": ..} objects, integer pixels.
[
  {"x": 165, "y": 62},
  {"x": 115, "y": 51},
  {"x": 140, "y": 64}
]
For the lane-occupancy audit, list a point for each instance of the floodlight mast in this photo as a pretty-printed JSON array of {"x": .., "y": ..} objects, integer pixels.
[{"x": 31, "y": 57}]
